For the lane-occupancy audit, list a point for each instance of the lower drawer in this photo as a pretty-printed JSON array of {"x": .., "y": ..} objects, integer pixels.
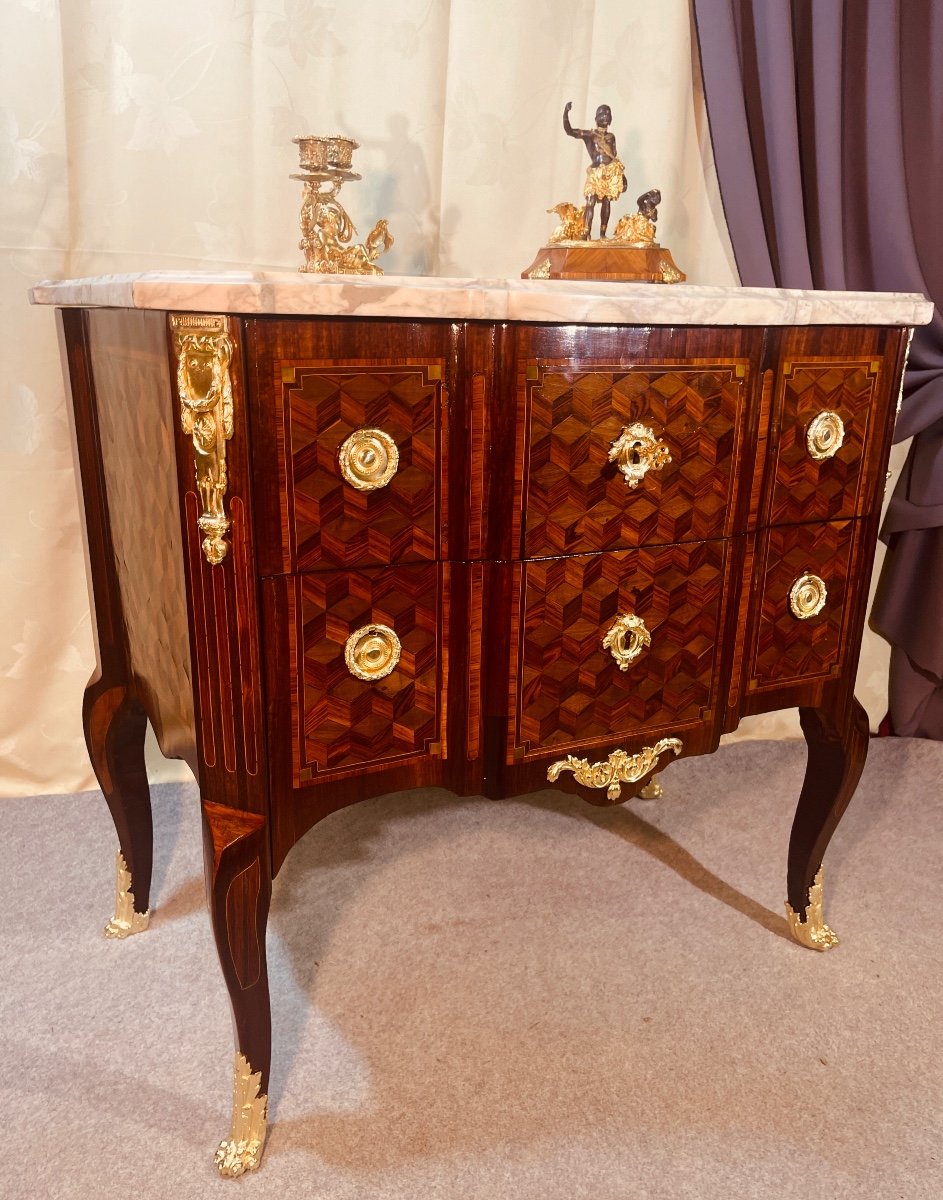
[
  {"x": 363, "y": 655},
  {"x": 606, "y": 646},
  {"x": 806, "y": 584}
]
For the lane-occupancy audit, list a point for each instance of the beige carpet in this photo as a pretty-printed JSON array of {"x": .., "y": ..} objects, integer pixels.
[{"x": 522, "y": 1000}]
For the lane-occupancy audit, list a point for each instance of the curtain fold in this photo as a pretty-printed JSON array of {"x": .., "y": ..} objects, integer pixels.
[{"x": 827, "y": 121}]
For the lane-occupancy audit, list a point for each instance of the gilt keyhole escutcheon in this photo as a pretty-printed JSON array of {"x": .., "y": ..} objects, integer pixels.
[{"x": 636, "y": 451}]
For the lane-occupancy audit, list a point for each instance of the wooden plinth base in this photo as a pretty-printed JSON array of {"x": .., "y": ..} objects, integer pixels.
[{"x": 604, "y": 260}]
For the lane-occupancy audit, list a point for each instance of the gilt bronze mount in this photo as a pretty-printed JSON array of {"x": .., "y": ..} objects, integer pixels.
[
  {"x": 620, "y": 767},
  {"x": 326, "y": 227},
  {"x": 808, "y": 927},
  {"x": 127, "y": 920},
  {"x": 242, "y": 1150}
]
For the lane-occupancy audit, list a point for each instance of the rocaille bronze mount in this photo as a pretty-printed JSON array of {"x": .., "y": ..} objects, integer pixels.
[{"x": 326, "y": 228}]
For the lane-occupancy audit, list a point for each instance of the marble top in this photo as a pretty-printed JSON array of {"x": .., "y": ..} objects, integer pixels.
[{"x": 290, "y": 293}]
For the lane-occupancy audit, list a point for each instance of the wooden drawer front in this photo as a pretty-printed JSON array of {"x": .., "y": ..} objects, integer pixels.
[
  {"x": 806, "y": 488},
  {"x": 787, "y": 649},
  {"x": 569, "y": 691},
  {"x": 341, "y": 721},
  {"x": 576, "y": 500},
  {"x": 329, "y": 521}
]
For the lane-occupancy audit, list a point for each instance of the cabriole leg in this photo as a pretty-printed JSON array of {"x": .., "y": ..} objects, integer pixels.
[
  {"x": 115, "y": 725},
  {"x": 838, "y": 746},
  {"x": 239, "y": 886}
]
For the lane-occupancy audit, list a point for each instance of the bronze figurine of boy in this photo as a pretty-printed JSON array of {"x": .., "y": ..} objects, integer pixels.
[{"x": 605, "y": 177}]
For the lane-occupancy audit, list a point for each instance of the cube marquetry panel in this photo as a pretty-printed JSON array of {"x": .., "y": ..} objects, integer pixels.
[
  {"x": 787, "y": 649},
  {"x": 343, "y": 721},
  {"x": 807, "y": 489},
  {"x": 329, "y": 521},
  {"x": 577, "y": 501},
  {"x": 570, "y": 691}
]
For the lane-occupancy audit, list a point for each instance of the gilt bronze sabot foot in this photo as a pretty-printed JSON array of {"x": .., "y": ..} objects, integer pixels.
[{"x": 809, "y": 928}]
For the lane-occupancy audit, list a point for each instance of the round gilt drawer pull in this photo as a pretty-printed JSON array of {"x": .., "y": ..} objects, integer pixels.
[
  {"x": 368, "y": 459},
  {"x": 637, "y": 450},
  {"x": 372, "y": 652},
  {"x": 626, "y": 639},
  {"x": 807, "y": 597},
  {"x": 825, "y": 435}
]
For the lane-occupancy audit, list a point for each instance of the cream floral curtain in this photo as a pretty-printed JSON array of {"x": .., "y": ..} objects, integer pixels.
[{"x": 138, "y": 135}]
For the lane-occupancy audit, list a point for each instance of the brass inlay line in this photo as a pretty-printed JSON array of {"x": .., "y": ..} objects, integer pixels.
[
  {"x": 247, "y": 657},
  {"x": 242, "y": 1150},
  {"x": 204, "y": 352},
  {"x": 617, "y": 769},
  {"x": 125, "y": 921},
  {"x": 810, "y": 929},
  {"x": 224, "y": 672}
]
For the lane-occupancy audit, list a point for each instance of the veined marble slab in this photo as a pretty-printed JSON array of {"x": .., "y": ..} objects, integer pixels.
[{"x": 558, "y": 301}]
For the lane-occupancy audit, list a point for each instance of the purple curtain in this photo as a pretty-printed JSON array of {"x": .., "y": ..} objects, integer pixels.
[{"x": 826, "y": 119}]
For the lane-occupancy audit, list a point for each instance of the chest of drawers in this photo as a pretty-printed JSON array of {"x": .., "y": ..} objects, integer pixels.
[{"x": 352, "y": 537}]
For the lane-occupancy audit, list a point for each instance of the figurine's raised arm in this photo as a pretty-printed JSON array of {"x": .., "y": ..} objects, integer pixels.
[{"x": 567, "y": 127}]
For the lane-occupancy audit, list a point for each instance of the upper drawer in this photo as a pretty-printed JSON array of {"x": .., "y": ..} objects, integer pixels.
[
  {"x": 636, "y": 442},
  {"x": 831, "y": 396},
  {"x": 350, "y": 446}
]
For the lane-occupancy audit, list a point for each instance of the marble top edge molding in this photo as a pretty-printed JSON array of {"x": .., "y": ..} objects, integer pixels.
[{"x": 558, "y": 301}]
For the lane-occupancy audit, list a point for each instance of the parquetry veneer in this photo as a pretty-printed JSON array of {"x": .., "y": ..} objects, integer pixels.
[{"x": 347, "y": 538}]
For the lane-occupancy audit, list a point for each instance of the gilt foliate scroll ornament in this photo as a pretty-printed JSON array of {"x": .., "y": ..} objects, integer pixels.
[
  {"x": 626, "y": 639},
  {"x": 809, "y": 928},
  {"x": 807, "y": 597},
  {"x": 326, "y": 228},
  {"x": 204, "y": 351},
  {"x": 825, "y": 435},
  {"x": 638, "y": 450},
  {"x": 620, "y": 767},
  {"x": 368, "y": 459},
  {"x": 372, "y": 652},
  {"x": 125, "y": 921},
  {"x": 242, "y": 1150}
]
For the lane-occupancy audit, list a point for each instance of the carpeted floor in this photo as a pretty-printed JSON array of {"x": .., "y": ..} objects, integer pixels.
[{"x": 522, "y": 1000}]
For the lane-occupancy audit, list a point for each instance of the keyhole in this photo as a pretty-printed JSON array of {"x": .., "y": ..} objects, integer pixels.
[{"x": 636, "y": 457}]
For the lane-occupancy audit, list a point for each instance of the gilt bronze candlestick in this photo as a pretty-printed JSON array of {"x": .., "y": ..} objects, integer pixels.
[{"x": 326, "y": 228}]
